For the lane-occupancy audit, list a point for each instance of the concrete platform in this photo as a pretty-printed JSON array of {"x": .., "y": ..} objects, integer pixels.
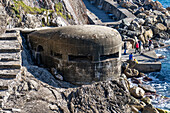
[{"x": 147, "y": 61}]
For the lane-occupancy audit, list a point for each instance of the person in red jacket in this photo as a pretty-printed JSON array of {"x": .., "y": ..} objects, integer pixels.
[{"x": 137, "y": 47}]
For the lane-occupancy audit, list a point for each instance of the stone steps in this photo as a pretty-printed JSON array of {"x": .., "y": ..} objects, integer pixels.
[
  {"x": 10, "y": 61},
  {"x": 8, "y": 36},
  {"x": 10, "y": 65},
  {"x": 9, "y": 44},
  {"x": 8, "y": 73},
  {"x": 9, "y": 56}
]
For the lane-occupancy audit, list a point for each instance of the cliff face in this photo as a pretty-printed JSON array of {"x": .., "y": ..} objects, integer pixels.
[
  {"x": 2, "y": 19},
  {"x": 78, "y": 10},
  {"x": 39, "y": 13}
]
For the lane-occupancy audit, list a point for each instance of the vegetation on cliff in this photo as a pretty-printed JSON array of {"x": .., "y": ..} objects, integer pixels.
[{"x": 19, "y": 6}]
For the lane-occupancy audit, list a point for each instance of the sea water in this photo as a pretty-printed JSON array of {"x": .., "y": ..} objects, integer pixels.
[
  {"x": 165, "y": 3},
  {"x": 161, "y": 80}
]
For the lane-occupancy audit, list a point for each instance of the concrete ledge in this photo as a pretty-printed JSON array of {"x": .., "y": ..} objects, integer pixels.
[{"x": 147, "y": 67}]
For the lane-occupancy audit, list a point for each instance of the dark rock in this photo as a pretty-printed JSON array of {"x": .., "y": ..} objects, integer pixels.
[
  {"x": 136, "y": 81},
  {"x": 163, "y": 35},
  {"x": 142, "y": 15},
  {"x": 161, "y": 44},
  {"x": 147, "y": 79},
  {"x": 141, "y": 74}
]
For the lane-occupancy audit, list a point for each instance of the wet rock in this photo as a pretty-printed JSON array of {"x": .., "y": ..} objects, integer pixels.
[
  {"x": 141, "y": 74},
  {"x": 147, "y": 79},
  {"x": 146, "y": 100},
  {"x": 147, "y": 88},
  {"x": 136, "y": 81},
  {"x": 137, "y": 92},
  {"x": 149, "y": 109}
]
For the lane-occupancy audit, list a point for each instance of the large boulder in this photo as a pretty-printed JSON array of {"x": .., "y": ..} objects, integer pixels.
[
  {"x": 161, "y": 27},
  {"x": 137, "y": 92},
  {"x": 148, "y": 34},
  {"x": 3, "y": 19}
]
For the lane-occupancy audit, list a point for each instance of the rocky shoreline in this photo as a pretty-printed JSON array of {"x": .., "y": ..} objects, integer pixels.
[{"x": 36, "y": 90}]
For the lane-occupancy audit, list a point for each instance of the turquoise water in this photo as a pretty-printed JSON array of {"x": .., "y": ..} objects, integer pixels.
[
  {"x": 161, "y": 80},
  {"x": 165, "y": 3}
]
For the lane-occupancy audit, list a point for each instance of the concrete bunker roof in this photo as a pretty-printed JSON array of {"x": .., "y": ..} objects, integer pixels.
[{"x": 91, "y": 33}]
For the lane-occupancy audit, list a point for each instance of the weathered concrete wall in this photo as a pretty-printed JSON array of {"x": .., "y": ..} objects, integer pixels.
[
  {"x": 114, "y": 8},
  {"x": 148, "y": 67},
  {"x": 82, "y": 54}
]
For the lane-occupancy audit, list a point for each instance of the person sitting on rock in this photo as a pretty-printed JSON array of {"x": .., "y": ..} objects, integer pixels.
[
  {"x": 136, "y": 60},
  {"x": 131, "y": 56}
]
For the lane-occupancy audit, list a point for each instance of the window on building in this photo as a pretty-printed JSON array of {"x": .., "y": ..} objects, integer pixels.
[
  {"x": 80, "y": 58},
  {"x": 105, "y": 57}
]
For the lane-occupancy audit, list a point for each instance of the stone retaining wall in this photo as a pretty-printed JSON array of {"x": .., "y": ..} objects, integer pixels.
[{"x": 113, "y": 8}]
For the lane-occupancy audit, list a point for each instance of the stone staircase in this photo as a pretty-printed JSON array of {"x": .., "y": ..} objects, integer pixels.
[{"x": 10, "y": 61}]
